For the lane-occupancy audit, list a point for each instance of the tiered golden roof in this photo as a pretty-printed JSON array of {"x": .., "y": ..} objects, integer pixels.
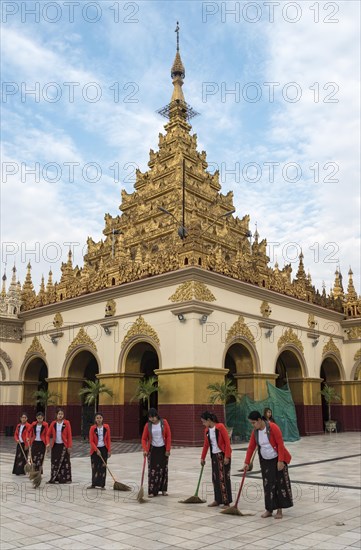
[{"x": 143, "y": 240}]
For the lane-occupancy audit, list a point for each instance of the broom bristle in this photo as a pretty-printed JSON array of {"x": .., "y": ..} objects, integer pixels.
[
  {"x": 234, "y": 511},
  {"x": 118, "y": 486},
  {"x": 33, "y": 474},
  {"x": 37, "y": 480},
  {"x": 193, "y": 500},
  {"x": 27, "y": 468},
  {"x": 140, "y": 496}
]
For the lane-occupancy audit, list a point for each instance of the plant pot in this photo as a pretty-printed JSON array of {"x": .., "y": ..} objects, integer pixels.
[{"x": 331, "y": 426}]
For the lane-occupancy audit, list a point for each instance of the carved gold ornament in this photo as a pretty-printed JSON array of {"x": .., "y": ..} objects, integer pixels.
[
  {"x": 141, "y": 328},
  {"x": 239, "y": 329},
  {"x": 58, "y": 320},
  {"x": 81, "y": 339},
  {"x": 110, "y": 308},
  {"x": 331, "y": 347},
  {"x": 290, "y": 337},
  {"x": 311, "y": 321},
  {"x": 355, "y": 333},
  {"x": 192, "y": 290},
  {"x": 357, "y": 355},
  {"x": 265, "y": 309},
  {"x": 35, "y": 347}
]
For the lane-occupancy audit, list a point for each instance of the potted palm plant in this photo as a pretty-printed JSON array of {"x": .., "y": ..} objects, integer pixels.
[
  {"x": 45, "y": 397},
  {"x": 222, "y": 393},
  {"x": 146, "y": 386},
  {"x": 91, "y": 392},
  {"x": 329, "y": 394}
]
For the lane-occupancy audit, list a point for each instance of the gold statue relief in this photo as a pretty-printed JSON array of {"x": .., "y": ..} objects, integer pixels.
[
  {"x": 265, "y": 309},
  {"x": 58, "y": 320},
  {"x": 110, "y": 308}
]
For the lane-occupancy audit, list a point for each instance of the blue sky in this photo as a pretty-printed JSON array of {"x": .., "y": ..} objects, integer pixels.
[{"x": 115, "y": 58}]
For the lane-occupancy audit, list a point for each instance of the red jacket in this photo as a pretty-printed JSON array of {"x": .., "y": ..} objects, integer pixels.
[
  {"x": 65, "y": 434},
  {"x": 167, "y": 436},
  {"x": 25, "y": 434},
  {"x": 223, "y": 441},
  {"x": 93, "y": 438},
  {"x": 43, "y": 433},
  {"x": 276, "y": 440}
]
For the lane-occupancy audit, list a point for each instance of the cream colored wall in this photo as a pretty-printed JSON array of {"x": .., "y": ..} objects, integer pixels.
[{"x": 188, "y": 344}]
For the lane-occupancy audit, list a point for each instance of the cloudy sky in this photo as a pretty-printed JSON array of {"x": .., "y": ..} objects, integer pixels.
[{"x": 277, "y": 88}]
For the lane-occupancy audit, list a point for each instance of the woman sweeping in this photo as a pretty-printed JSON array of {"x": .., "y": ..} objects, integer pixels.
[
  {"x": 156, "y": 443},
  {"x": 100, "y": 447},
  {"x": 38, "y": 433},
  {"x": 216, "y": 439},
  {"x": 60, "y": 438},
  {"x": 21, "y": 437},
  {"x": 273, "y": 457}
]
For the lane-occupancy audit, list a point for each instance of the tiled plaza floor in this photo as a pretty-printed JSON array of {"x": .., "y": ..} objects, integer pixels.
[{"x": 325, "y": 476}]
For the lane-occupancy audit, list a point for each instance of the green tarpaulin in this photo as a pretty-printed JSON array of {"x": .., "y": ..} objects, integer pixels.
[{"x": 279, "y": 401}]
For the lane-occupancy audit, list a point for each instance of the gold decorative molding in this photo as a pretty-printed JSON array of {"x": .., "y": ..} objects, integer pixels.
[
  {"x": 35, "y": 347},
  {"x": 355, "y": 333},
  {"x": 58, "y": 320},
  {"x": 141, "y": 328},
  {"x": 331, "y": 347},
  {"x": 239, "y": 328},
  {"x": 192, "y": 290},
  {"x": 81, "y": 339},
  {"x": 290, "y": 337},
  {"x": 357, "y": 355},
  {"x": 110, "y": 308},
  {"x": 265, "y": 309}
]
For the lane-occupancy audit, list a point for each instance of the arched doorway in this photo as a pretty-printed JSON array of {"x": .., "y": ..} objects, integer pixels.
[
  {"x": 35, "y": 375},
  {"x": 331, "y": 375},
  {"x": 289, "y": 370},
  {"x": 240, "y": 365},
  {"x": 142, "y": 360},
  {"x": 83, "y": 367}
]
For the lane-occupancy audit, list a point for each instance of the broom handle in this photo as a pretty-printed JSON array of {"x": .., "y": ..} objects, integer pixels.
[
  {"x": 199, "y": 481},
  {"x": 243, "y": 478},
  {"x": 144, "y": 461},
  {"x": 107, "y": 467},
  {"x": 22, "y": 450}
]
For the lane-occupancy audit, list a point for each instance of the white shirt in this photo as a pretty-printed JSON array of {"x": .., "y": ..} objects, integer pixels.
[
  {"x": 157, "y": 436},
  {"x": 21, "y": 429},
  {"x": 38, "y": 432},
  {"x": 267, "y": 451},
  {"x": 213, "y": 438},
  {"x": 59, "y": 428},
  {"x": 100, "y": 432}
]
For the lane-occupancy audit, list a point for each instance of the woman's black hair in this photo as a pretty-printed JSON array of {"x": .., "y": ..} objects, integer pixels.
[
  {"x": 254, "y": 415},
  {"x": 153, "y": 413},
  {"x": 60, "y": 410},
  {"x": 98, "y": 414},
  {"x": 24, "y": 414},
  {"x": 206, "y": 415},
  {"x": 40, "y": 413}
]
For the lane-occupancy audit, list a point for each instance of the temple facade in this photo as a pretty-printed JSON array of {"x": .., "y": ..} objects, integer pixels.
[{"x": 179, "y": 289}]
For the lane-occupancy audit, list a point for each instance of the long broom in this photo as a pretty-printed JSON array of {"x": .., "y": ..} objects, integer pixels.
[
  {"x": 118, "y": 486},
  {"x": 29, "y": 467},
  {"x": 233, "y": 510},
  {"x": 36, "y": 476},
  {"x": 195, "y": 499},
  {"x": 140, "y": 496}
]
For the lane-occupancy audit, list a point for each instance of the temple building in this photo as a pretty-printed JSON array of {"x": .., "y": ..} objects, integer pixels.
[{"x": 179, "y": 289}]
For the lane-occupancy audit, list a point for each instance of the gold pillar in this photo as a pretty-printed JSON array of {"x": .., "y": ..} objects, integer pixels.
[
  {"x": 350, "y": 391},
  {"x": 187, "y": 386},
  {"x": 58, "y": 385},
  {"x": 30, "y": 386},
  {"x": 305, "y": 391},
  {"x": 254, "y": 384},
  {"x": 123, "y": 386}
]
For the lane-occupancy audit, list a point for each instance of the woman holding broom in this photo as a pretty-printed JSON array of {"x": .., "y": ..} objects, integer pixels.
[
  {"x": 21, "y": 437},
  {"x": 60, "y": 438},
  {"x": 156, "y": 443},
  {"x": 216, "y": 439},
  {"x": 38, "y": 433},
  {"x": 273, "y": 457},
  {"x": 100, "y": 447}
]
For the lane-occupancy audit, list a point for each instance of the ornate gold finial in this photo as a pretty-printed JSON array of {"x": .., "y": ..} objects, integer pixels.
[
  {"x": 141, "y": 328},
  {"x": 331, "y": 347},
  {"x": 289, "y": 337},
  {"x": 239, "y": 329},
  {"x": 192, "y": 290},
  {"x": 177, "y": 31},
  {"x": 35, "y": 347},
  {"x": 81, "y": 339},
  {"x": 311, "y": 321},
  {"x": 265, "y": 309}
]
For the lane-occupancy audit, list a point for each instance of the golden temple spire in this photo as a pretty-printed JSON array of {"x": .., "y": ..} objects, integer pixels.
[
  {"x": 177, "y": 73},
  {"x": 337, "y": 287},
  {"x": 3, "y": 291}
]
